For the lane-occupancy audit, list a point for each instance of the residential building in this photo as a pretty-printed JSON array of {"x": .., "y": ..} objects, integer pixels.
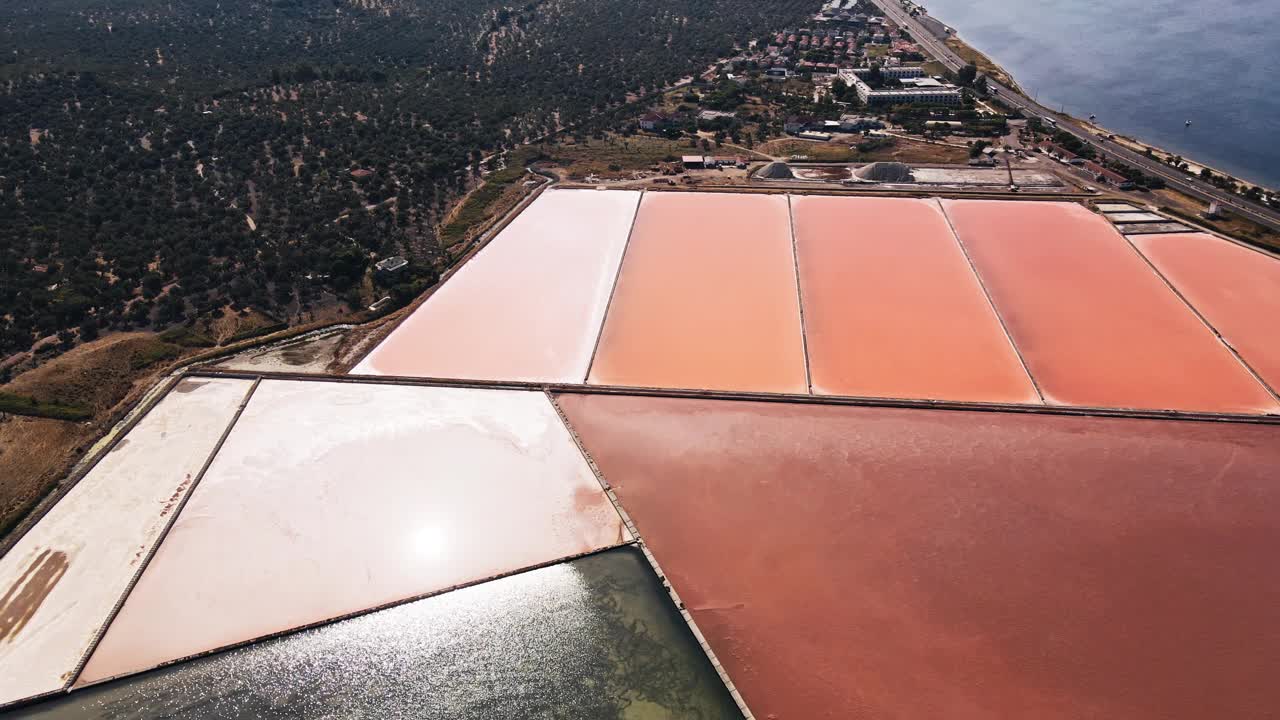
[
  {"x": 859, "y": 123},
  {"x": 390, "y": 266},
  {"x": 819, "y": 69},
  {"x": 797, "y": 124},
  {"x": 654, "y": 121},
  {"x": 1060, "y": 153},
  {"x": 814, "y": 135},
  {"x": 1110, "y": 177}
]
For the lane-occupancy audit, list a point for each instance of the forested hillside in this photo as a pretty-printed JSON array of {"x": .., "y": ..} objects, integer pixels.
[{"x": 163, "y": 160}]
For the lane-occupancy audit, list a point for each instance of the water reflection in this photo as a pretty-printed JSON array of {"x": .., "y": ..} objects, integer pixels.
[{"x": 591, "y": 639}]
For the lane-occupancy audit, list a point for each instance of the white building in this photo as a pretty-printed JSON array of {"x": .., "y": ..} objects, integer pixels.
[
  {"x": 814, "y": 135},
  {"x": 858, "y": 123},
  {"x": 922, "y": 82},
  {"x": 900, "y": 72},
  {"x": 930, "y": 93}
]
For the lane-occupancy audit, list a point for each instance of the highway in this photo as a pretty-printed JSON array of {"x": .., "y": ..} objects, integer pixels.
[{"x": 1175, "y": 178}]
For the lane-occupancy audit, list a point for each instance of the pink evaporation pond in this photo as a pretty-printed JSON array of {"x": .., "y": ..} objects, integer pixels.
[
  {"x": 1236, "y": 289},
  {"x": 529, "y": 306},
  {"x": 893, "y": 309},
  {"x": 706, "y": 299},
  {"x": 859, "y": 562},
  {"x": 334, "y": 498},
  {"x": 1094, "y": 323}
]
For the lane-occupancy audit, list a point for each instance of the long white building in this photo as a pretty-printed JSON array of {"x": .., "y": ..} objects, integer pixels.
[
  {"x": 922, "y": 91},
  {"x": 897, "y": 72}
]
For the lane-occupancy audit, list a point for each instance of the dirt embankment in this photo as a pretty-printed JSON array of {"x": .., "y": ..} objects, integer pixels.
[
  {"x": 986, "y": 65},
  {"x": 1176, "y": 203},
  {"x": 96, "y": 375},
  {"x": 102, "y": 378},
  {"x": 879, "y": 149},
  {"x": 33, "y": 457}
]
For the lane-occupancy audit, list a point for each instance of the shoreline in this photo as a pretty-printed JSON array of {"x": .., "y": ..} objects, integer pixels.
[
  {"x": 1006, "y": 77},
  {"x": 1137, "y": 145},
  {"x": 1100, "y": 130}
]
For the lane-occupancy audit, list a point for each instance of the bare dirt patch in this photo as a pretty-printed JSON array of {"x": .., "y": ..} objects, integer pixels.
[
  {"x": 95, "y": 375},
  {"x": 896, "y": 149},
  {"x": 787, "y": 148},
  {"x": 34, "y": 455},
  {"x": 316, "y": 355},
  {"x": 916, "y": 153},
  {"x": 1178, "y": 204},
  {"x": 232, "y": 325},
  {"x": 104, "y": 377},
  {"x": 616, "y": 157}
]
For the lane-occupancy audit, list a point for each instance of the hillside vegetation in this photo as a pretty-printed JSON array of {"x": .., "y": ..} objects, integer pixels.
[{"x": 168, "y": 160}]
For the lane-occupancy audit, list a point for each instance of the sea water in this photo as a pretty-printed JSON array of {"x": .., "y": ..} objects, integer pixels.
[{"x": 1145, "y": 67}]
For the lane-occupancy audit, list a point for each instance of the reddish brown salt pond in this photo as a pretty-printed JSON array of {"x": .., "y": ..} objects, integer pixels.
[
  {"x": 706, "y": 298},
  {"x": 892, "y": 308},
  {"x": 528, "y": 306},
  {"x": 1235, "y": 288},
  {"x": 863, "y": 562},
  {"x": 1095, "y": 325}
]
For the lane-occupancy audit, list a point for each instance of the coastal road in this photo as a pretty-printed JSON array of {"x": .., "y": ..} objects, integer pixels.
[{"x": 1175, "y": 178}]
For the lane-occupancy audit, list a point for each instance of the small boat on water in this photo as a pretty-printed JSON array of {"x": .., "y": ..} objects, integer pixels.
[{"x": 1188, "y": 123}]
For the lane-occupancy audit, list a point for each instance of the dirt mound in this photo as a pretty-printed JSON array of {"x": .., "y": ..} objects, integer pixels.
[
  {"x": 98, "y": 376},
  {"x": 95, "y": 375},
  {"x": 777, "y": 171},
  {"x": 885, "y": 172},
  {"x": 34, "y": 455}
]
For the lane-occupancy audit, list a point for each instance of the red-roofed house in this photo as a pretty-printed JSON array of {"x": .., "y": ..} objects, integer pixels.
[
  {"x": 1102, "y": 174},
  {"x": 654, "y": 121}
]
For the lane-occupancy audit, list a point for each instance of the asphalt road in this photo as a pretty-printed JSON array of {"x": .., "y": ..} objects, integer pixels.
[{"x": 1175, "y": 178}]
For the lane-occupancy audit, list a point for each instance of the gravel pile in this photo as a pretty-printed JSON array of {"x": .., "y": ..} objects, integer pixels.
[
  {"x": 885, "y": 172},
  {"x": 777, "y": 171}
]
